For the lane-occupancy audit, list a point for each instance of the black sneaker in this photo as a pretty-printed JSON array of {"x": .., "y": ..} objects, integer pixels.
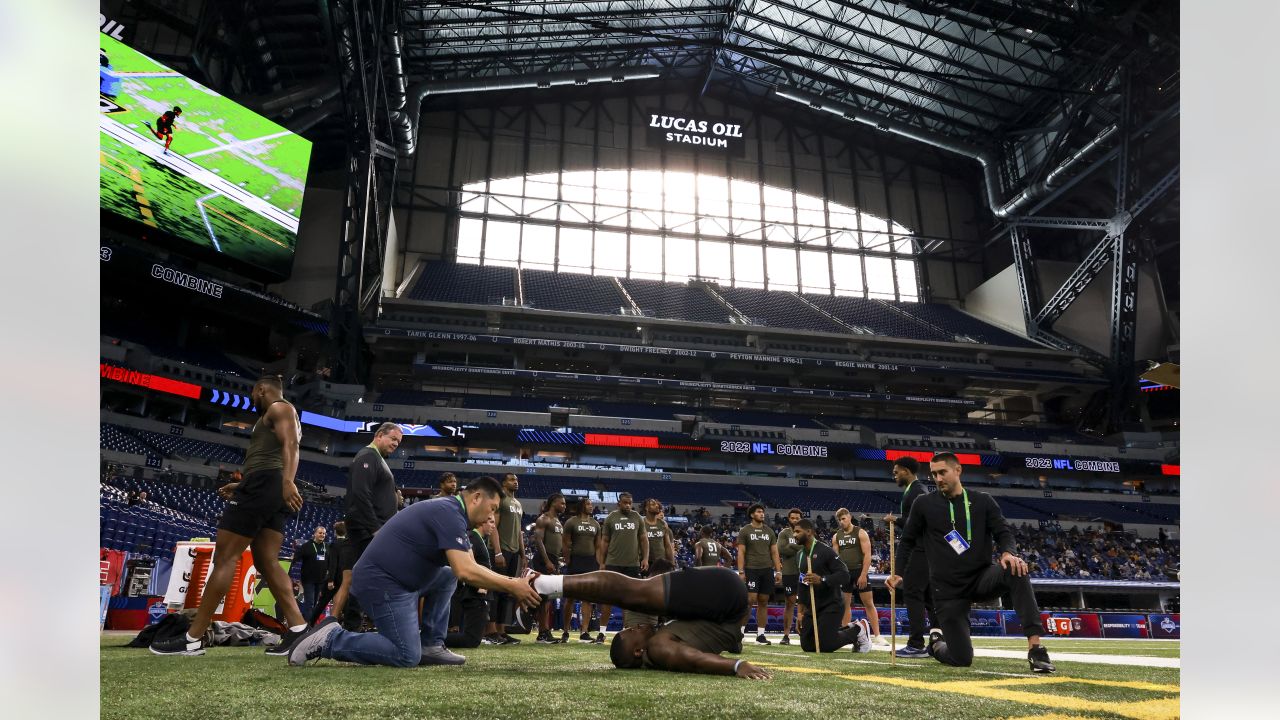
[
  {"x": 508, "y": 640},
  {"x": 544, "y": 638},
  {"x": 178, "y": 645},
  {"x": 936, "y": 642},
  {"x": 312, "y": 644},
  {"x": 491, "y": 640},
  {"x": 586, "y": 638},
  {"x": 286, "y": 643},
  {"x": 599, "y": 638},
  {"x": 762, "y": 640},
  {"x": 786, "y": 640},
  {"x": 911, "y": 653},
  {"x": 1038, "y": 657},
  {"x": 564, "y": 637}
]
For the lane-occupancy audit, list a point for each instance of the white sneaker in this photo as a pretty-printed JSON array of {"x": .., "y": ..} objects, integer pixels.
[
  {"x": 863, "y": 643},
  {"x": 879, "y": 640}
]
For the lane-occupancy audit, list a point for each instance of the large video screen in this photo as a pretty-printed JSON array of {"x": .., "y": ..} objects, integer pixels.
[{"x": 180, "y": 158}]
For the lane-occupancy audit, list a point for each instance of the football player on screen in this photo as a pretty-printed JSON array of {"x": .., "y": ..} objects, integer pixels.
[{"x": 163, "y": 129}]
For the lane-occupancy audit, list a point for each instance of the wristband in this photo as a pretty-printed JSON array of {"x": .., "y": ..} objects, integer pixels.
[{"x": 735, "y": 666}]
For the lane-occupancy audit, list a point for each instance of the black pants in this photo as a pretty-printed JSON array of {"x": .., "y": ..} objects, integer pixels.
[
  {"x": 469, "y": 615},
  {"x": 830, "y": 635},
  {"x": 352, "y": 616},
  {"x": 311, "y": 592},
  {"x": 326, "y": 595},
  {"x": 502, "y": 608},
  {"x": 919, "y": 597},
  {"x": 953, "y": 612}
]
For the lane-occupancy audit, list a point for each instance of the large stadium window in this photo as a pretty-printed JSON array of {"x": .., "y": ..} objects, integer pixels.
[{"x": 674, "y": 226}]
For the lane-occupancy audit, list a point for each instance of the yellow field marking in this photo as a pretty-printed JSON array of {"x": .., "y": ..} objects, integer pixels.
[
  {"x": 1053, "y": 716},
  {"x": 146, "y": 212},
  {"x": 246, "y": 227},
  {"x": 1127, "y": 684},
  {"x": 1164, "y": 709}
]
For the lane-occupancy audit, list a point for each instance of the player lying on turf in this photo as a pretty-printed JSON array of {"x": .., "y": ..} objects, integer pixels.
[{"x": 706, "y": 607}]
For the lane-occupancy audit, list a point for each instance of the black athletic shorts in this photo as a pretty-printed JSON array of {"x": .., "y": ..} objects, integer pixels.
[
  {"x": 538, "y": 566},
  {"x": 257, "y": 504},
  {"x": 714, "y": 594},
  {"x": 790, "y": 584},
  {"x": 849, "y": 588},
  {"x": 760, "y": 582},
  {"x": 579, "y": 564},
  {"x": 628, "y": 570}
]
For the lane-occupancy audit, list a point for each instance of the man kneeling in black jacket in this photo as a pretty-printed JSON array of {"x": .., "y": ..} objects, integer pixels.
[{"x": 826, "y": 575}]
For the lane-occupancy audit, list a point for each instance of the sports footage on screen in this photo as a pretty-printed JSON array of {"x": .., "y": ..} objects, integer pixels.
[{"x": 178, "y": 157}]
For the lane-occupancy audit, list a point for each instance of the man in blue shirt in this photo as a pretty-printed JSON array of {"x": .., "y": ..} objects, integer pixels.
[{"x": 419, "y": 553}]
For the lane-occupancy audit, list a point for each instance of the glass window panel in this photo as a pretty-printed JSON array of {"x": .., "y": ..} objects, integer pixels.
[
  {"x": 541, "y": 191},
  {"x": 646, "y": 257},
  {"x": 844, "y": 225},
  {"x": 611, "y": 254},
  {"x": 907, "y": 287},
  {"x": 473, "y": 197},
  {"x": 502, "y": 243},
  {"x": 778, "y": 205},
  {"x": 847, "y": 270},
  {"x": 815, "y": 275},
  {"x": 713, "y": 261},
  {"x": 646, "y": 199},
  {"x": 611, "y": 197},
  {"x": 781, "y": 267},
  {"x": 470, "y": 232},
  {"x": 681, "y": 259},
  {"x": 578, "y": 187},
  {"x": 748, "y": 266},
  {"x": 505, "y": 196},
  {"x": 901, "y": 244},
  {"x": 873, "y": 233},
  {"x": 880, "y": 278},
  {"x": 678, "y": 194},
  {"x": 713, "y": 205},
  {"x": 575, "y": 249},
  {"x": 538, "y": 247}
]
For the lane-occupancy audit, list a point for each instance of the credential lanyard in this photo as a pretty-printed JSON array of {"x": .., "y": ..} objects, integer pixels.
[{"x": 968, "y": 517}]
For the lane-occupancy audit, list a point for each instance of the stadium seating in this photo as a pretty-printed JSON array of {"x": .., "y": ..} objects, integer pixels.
[
  {"x": 878, "y": 318},
  {"x": 675, "y": 302},
  {"x": 571, "y": 292},
  {"x": 472, "y": 284},
  {"x": 957, "y": 322},
  {"x": 778, "y": 309}
]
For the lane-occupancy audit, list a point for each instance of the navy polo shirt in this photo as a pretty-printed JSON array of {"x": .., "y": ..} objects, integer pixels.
[{"x": 409, "y": 549}]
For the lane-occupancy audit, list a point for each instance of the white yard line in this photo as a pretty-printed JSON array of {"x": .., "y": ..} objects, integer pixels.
[{"x": 237, "y": 144}]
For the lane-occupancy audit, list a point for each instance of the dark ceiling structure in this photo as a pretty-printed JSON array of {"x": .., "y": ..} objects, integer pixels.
[{"x": 1068, "y": 107}]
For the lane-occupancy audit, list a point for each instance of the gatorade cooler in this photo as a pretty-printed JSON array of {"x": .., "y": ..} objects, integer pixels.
[{"x": 239, "y": 596}]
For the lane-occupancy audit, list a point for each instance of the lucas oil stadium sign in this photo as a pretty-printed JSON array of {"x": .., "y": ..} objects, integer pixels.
[{"x": 699, "y": 132}]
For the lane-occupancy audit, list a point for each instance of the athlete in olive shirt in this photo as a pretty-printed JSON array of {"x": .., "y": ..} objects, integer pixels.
[
  {"x": 509, "y": 560},
  {"x": 757, "y": 555},
  {"x": 854, "y": 545},
  {"x": 707, "y": 552},
  {"x": 581, "y": 532},
  {"x": 257, "y": 508},
  {"x": 658, "y": 533},
  {"x": 706, "y": 604},
  {"x": 624, "y": 548},
  {"x": 548, "y": 545},
  {"x": 788, "y": 548},
  {"x": 914, "y": 569}
]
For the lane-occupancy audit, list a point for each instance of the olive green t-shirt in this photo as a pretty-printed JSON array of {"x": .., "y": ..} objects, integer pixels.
[
  {"x": 581, "y": 533},
  {"x": 553, "y": 539},
  {"x": 509, "y": 514},
  {"x": 622, "y": 530},
  {"x": 710, "y": 552},
  {"x": 264, "y": 451},
  {"x": 787, "y": 550},
  {"x": 704, "y": 635},
  {"x": 658, "y": 535},
  {"x": 755, "y": 542},
  {"x": 850, "y": 550}
]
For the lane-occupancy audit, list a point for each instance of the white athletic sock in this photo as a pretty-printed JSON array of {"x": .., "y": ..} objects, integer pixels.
[
  {"x": 298, "y": 628},
  {"x": 551, "y": 586},
  {"x": 189, "y": 638}
]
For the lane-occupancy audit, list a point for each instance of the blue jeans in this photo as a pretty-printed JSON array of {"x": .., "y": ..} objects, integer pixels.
[
  {"x": 311, "y": 593},
  {"x": 400, "y": 637}
]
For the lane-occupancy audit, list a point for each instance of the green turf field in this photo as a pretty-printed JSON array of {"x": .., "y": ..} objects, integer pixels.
[
  {"x": 217, "y": 134},
  {"x": 577, "y": 681}
]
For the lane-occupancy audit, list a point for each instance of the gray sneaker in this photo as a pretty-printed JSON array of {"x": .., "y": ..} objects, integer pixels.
[
  {"x": 312, "y": 644},
  {"x": 863, "y": 643},
  {"x": 440, "y": 655}
]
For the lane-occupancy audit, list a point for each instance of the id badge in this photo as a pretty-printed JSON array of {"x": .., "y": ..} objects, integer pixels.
[
  {"x": 320, "y": 557},
  {"x": 957, "y": 542}
]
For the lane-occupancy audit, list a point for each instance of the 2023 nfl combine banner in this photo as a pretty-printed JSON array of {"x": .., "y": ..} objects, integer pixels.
[{"x": 178, "y": 157}]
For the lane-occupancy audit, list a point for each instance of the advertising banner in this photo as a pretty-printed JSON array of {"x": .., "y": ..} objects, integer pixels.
[
  {"x": 1165, "y": 627},
  {"x": 1119, "y": 625},
  {"x": 1058, "y": 623}
]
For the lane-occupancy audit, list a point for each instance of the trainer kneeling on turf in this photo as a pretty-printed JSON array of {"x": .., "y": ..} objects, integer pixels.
[
  {"x": 823, "y": 570},
  {"x": 416, "y": 554}
]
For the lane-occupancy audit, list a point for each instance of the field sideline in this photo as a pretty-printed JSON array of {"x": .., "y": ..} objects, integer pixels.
[{"x": 577, "y": 681}]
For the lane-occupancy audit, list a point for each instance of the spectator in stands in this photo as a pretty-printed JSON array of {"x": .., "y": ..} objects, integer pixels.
[{"x": 371, "y": 501}]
